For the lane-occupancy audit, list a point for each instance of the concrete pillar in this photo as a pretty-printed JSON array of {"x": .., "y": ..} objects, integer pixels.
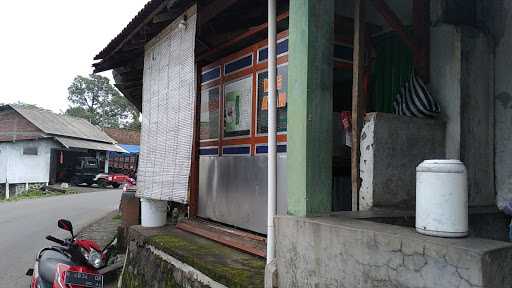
[
  {"x": 7, "y": 190},
  {"x": 107, "y": 159},
  {"x": 310, "y": 73},
  {"x": 26, "y": 187}
]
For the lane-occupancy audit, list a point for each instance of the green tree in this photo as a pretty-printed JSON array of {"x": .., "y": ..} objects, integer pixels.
[{"x": 95, "y": 99}]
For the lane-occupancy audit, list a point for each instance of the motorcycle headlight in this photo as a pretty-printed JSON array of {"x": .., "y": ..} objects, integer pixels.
[{"x": 93, "y": 257}]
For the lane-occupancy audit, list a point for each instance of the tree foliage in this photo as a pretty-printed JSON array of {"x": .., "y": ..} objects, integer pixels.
[{"x": 95, "y": 99}]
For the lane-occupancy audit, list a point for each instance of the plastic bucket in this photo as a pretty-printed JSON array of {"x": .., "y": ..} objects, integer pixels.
[{"x": 153, "y": 212}]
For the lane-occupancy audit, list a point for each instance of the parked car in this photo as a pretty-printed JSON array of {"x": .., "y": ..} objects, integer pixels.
[
  {"x": 116, "y": 180},
  {"x": 85, "y": 171}
]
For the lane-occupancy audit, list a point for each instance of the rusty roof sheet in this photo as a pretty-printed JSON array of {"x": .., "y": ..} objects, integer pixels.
[
  {"x": 86, "y": 144},
  {"x": 55, "y": 124}
]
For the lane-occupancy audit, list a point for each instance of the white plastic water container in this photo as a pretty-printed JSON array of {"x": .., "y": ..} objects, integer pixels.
[
  {"x": 442, "y": 198},
  {"x": 153, "y": 212}
]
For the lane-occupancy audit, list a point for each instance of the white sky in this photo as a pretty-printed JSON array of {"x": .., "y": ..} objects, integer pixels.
[{"x": 45, "y": 44}]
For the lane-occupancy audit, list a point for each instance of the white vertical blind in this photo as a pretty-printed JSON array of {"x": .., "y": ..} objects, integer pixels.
[{"x": 169, "y": 93}]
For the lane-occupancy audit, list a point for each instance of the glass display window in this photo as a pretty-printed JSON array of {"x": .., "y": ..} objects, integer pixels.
[
  {"x": 282, "y": 100},
  {"x": 238, "y": 107},
  {"x": 209, "y": 119}
]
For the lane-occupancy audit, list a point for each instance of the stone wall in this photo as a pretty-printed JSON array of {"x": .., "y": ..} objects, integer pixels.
[
  {"x": 501, "y": 26},
  {"x": 19, "y": 189},
  {"x": 391, "y": 148},
  {"x": 343, "y": 252},
  {"x": 169, "y": 257}
]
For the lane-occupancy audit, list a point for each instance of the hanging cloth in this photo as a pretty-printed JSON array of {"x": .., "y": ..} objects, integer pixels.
[{"x": 415, "y": 100}]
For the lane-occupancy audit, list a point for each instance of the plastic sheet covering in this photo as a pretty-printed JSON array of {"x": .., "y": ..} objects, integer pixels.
[{"x": 169, "y": 87}]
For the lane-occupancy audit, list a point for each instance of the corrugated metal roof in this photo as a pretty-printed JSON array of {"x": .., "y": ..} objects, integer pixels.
[
  {"x": 149, "y": 8},
  {"x": 86, "y": 144},
  {"x": 54, "y": 124}
]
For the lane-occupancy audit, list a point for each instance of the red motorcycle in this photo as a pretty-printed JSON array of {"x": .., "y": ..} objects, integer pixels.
[{"x": 72, "y": 264}]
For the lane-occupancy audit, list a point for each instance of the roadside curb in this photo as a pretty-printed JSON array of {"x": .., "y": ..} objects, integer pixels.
[{"x": 101, "y": 230}]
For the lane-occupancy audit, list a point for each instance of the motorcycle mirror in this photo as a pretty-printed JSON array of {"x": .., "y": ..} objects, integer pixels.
[{"x": 66, "y": 225}]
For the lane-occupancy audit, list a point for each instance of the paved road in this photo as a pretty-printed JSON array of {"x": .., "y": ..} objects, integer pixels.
[{"x": 25, "y": 224}]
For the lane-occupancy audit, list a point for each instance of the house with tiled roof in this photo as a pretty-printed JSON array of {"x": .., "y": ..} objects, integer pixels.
[{"x": 37, "y": 146}]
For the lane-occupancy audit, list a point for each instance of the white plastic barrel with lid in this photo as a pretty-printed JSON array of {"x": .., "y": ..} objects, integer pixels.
[
  {"x": 442, "y": 198},
  {"x": 153, "y": 212}
]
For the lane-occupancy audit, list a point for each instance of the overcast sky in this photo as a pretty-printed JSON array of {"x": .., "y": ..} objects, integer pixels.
[{"x": 45, "y": 44}]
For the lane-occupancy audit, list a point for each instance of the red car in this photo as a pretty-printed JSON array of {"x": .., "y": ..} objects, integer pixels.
[{"x": 115, "y": 179}]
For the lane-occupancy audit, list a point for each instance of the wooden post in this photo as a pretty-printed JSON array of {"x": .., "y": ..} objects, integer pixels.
[
  {"x": 194, "y": 167},
  {"x": 421, "y": 24},
  {"x": 359, "y": 100}
]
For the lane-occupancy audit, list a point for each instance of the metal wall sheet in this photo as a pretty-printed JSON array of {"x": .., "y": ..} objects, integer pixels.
[
  {"x": 169, "y": 92},
  {"x": 233, "y": 190}
]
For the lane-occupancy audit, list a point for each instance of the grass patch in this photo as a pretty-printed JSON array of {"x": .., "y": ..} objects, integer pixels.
[
  {"x": 117, "y": 217},
  {"x": 36, "y": 193}
]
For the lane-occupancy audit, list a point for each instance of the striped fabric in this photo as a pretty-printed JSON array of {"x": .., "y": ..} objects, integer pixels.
[{"x": 414, "y": 100}]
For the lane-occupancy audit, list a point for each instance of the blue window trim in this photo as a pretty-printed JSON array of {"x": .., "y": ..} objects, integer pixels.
[
  {"x": 263, "y": 149},
  {"x": 343, "y": 52},
  {"x": 209, "y": 151},
  {"x": 282, "y": 48},
  {"x": 210, "y": 75},
  {"x": 236, "y": 150},
  {"x": 237, "y": 65}
]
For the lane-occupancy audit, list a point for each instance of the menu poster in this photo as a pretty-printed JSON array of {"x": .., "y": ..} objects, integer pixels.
[
  {"x": 237, "y": 108},
  {"x": 282, "y": 100},
  {"x": 209, "y": 118}
]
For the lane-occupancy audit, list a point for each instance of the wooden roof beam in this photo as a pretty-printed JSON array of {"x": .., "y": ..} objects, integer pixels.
[
  {"x": 213, "y": 9},
  {"x": 394, "y": 22},
  {"x": 250, "y": 32}
]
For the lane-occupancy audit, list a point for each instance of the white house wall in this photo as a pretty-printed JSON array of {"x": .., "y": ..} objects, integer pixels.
[
  {"x": 18, "y": 168},
  {"x": 169, "y": 91}
]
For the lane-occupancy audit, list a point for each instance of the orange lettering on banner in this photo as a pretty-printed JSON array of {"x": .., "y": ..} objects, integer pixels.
[
  {"x": 264, "y": 104},
  {"x": 279, "y": 83},
  {"x": 281, "y": 101}
]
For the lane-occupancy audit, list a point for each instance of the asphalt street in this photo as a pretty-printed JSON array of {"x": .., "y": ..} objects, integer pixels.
[{"x": 24, "y": 225}]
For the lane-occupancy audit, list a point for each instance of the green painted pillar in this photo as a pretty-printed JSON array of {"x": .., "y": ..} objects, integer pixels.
[{"x": 311, "y": 38}]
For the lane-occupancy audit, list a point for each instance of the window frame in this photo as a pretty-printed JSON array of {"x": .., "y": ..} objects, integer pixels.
[
  {"x": 253, "y": 138},
  {"x": 25, "y": 153}
]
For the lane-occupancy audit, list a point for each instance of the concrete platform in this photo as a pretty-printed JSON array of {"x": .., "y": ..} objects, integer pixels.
[
  {"x": 169, "y": 257},
  {"x": 345, "y": 252}
]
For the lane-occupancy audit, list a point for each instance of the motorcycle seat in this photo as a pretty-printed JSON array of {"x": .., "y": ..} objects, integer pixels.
[{"x": 48, "y": 264}]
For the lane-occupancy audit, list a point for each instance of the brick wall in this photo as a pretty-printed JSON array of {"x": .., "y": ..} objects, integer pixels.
[{"x": 12, "y": 124}]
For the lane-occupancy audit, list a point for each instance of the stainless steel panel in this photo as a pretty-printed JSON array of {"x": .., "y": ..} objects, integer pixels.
[{"x": 233, "y": 190}]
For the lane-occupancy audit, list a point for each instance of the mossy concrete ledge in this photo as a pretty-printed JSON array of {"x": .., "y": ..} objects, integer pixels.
[{"x": 168, "y": 257}]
